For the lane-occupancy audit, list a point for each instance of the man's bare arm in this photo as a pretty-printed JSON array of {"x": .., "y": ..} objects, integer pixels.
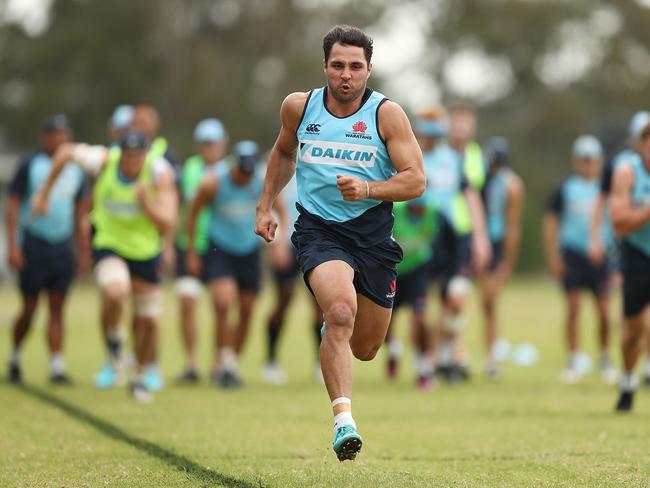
[
  {"x": 625, "y": 217},
  {"x": 163, "y": 209},
  {"x": 205, "y": 194},
  {"x": 281, "y": 164},
  {"x": 405, "y": 153},
  {"x": 481, "y": 249},
  {"x": 16, "y": 260},
  {"x": 550, "y": 231}
]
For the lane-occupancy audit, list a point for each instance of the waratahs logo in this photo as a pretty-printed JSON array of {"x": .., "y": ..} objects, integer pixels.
[
  {"x": 359, "y": 126},
  {"x": 359, "y": 131},
  {"x": 393, "y": 289}
]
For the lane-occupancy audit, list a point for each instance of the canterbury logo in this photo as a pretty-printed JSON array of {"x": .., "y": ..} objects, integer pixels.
[{"x": 313, "y": 129}]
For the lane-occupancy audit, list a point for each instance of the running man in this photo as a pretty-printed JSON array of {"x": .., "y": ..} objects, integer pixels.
[
  {"x": 416, "y": 227},
  {"x": 354, "y": 153},
  {"x": 566, "y": 241},
  {"x": 41, "y": 247},
  {"x": 211, "y": 139},
  {"x": 597, "y": 253},
  {"x": 458, "y": 250},
  {"x": 134, "y": 205},
  {"x": 503, "y": 196},
  {"x": 284, "y": 264},
  {"x": 232, "y": 266},
  {"x": 630, "y": 208}
]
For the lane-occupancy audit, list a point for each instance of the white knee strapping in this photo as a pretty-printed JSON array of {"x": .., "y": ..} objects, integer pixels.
[
  {"x": 148, "y": 304},
  {"x": 112, "y": 270},
  {"x": 453, "y": 323},
  {"x": 188, "y": 286},
  {"x": 459, "y": 286}
]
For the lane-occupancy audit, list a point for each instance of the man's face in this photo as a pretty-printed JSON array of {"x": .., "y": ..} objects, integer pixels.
[
  {"x": 347, "y": 72},
  {"x": 145, "y": 120},
  {"x": 588, "y": 168},
  {"x": 132, "y": 161},
  {"x": 50, "y": 141},
  {"x": 211, "y": 152},
  {"x": 462, "y": 127}
]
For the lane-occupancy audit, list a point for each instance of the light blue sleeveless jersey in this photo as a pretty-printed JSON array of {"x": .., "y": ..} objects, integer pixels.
[
  {"x": 57, "y": 225},
  {"x": 443, "y": 167},
  {"x": 640, "y": 198},
  {"x": 233, "y": 213},
  {"x": 496, "y": 199},
  {"x": 331, "y": 145},
  {"x": 579, "y": 197}
]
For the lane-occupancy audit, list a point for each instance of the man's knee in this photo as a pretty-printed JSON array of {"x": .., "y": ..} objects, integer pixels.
[
  {"x": 365, "y": 352},
  {"x": 340, "y": 314},
  {"x": 114, "y": 294}
]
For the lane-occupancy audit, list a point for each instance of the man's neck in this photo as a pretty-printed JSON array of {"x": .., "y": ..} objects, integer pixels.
[{"x": 343, "y": 109}]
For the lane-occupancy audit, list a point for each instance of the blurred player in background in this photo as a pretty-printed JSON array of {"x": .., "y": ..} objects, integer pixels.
[
  {"x": 597, "y": 253},
  {"x": 134, "y": 206},
  {"x": 566, "y": 242},
  {"x": 503, "y": 196},
  {"x": 211, "y": 143},
  {"x": 415, "y": 229},
  {"x": 457, "y": 248},
  {"x": 630, "y": 208},
  {"x": 232, "y": 266},
  {"x": 41, "y": 247},
  {"x": 284, "y": 264}
]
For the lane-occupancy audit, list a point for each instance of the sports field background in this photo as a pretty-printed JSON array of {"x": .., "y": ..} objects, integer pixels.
[{"x": 526, "y": 430}]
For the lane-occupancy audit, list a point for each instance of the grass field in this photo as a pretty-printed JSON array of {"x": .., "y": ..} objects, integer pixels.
[{"x": 526, "y": 430}]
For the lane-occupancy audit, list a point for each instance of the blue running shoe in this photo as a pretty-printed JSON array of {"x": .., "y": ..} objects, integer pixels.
[
  {"x": 347, "y": 443},
  {"x": 106, "y": 377},
  {"x": 322, "y": 330},
  {"x": 152, "y": 379}
]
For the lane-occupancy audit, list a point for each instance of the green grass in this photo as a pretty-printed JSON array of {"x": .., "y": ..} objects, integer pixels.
[{"x": 526, "y": 430}]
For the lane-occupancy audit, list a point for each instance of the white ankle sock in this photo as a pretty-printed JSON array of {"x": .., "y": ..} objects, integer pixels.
[
  {"x": 646, "y": 367},
  {"x": 343, "y": 418},
  {"x": 57, "y": 365},
  {"x": 15, "y": 356},
  {"x": 629, "y": 381}
]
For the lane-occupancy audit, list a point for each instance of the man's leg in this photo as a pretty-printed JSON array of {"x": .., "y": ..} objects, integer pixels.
[
  {"x": 608, "y": 373},
  {"x": 147, "y": 307},
  {"x": 276, "y": 320},
  {"x": 490, "y": 290},
  {"x": 55, "y": 337},
  {"x": 633, "y": 330},
  {"x": 188, "y": 289},
  {"x": 21, "y": 327},
  {"x": 571, "y": 374},
  {"x": 246, "y": 304},
  {"x": 114, "y": 281},
  {"x": 224, "y": 295}
]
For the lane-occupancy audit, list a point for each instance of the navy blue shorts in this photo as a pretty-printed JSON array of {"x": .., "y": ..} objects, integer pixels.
[
  {"x": 246, "y": 270},
  {"x": 148, "y": 270},
  {"x": 181, "y": 265},
  {"x": 452, "y": 256},
  {"x": 412, "y": 289},
  {"x": 580, "y": 273},
  {"x": 286, "y": 278},
  {"x": 48, "y": 266},
  {"x": 375, "y": 275},
  {"x": 636, "y": 280}
]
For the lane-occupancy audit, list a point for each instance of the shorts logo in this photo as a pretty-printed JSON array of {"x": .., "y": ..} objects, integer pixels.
[
  {"x": 393, "y": 289},
  {"x": 313, "y": 129},
  {"x": 359, "y": 131}
]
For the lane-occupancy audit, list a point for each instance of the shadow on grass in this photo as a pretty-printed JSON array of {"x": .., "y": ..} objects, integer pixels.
[{"x": 191, "y": 468}]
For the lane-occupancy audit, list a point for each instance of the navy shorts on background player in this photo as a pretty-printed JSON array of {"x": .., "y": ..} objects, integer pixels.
[
  {"x": 374, "y": 266},
  {"x": 181, "y": 265},
  {"x": 47, "y": 266},
  {"x": 581, "y": 274},
  {"x": 451, "y": 257},
  {"x": 636, "y": 280},
  {"x": 412, "y": 288},
  {"x": 285, "y": 278},
  {"x": 245, "y": 270},
  {"x": 148, "y": 270}
]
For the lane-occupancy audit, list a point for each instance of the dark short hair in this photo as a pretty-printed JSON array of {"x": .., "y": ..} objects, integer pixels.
[{"x": 350, "y": 36}]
